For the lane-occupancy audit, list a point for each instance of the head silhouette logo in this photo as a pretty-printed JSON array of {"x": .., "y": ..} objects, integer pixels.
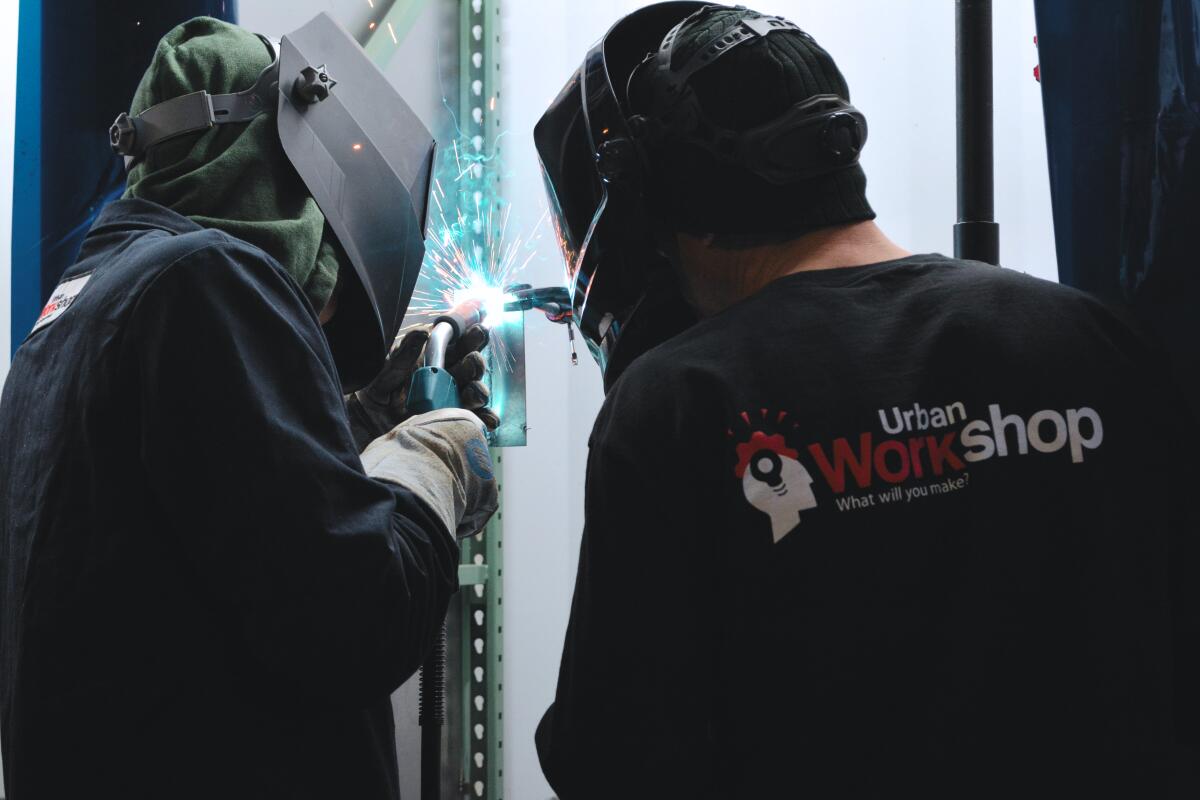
[{"x": 774, "y": 481}]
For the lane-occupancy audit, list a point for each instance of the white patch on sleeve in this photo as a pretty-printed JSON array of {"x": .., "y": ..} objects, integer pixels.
[{"x": 60, "y": 300}]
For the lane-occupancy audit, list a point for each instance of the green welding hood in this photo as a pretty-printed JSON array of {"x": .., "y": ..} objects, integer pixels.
[{"x": 363, "y": 154}]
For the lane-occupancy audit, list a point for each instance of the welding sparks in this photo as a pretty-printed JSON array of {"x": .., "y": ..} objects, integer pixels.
[
  {"x": 457, "y": 270},
  {"x": 392, "y": 31}
]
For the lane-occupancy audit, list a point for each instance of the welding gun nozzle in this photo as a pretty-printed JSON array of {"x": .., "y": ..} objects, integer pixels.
[{"x": 464, "y": 316}]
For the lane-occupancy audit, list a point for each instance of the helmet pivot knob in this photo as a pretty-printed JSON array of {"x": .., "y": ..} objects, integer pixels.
[
  {"x": 614, "y": 160},
  {"x": 313, "y": 84},
  {"x": 122, "y": 135}
]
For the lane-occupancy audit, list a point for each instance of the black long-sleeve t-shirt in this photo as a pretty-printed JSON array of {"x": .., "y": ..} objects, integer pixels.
[
  {"x": 910, "y": 529},
  {"x": 201, "y": 592}
]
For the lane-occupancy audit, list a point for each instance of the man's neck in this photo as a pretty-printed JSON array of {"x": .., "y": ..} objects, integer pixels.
[{"x": 716, "y": 278}]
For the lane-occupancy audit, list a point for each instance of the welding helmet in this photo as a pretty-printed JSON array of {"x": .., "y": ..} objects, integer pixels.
[
  {"x": 363, "y": 155},
  {"x": 598, "y": 155}
]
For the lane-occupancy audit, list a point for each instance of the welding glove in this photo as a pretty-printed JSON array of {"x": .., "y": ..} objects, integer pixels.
[
  {"x": 382, "y": 404},
  {"x": 442, "y": 458}
]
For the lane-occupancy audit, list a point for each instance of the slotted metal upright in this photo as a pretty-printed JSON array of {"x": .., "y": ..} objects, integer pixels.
[
  {"x": 472, "y": 763},
  {"x": 482, "y": 570}
]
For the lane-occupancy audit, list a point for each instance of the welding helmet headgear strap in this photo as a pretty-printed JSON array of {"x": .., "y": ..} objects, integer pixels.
[
  {"x": 363, "y": 155},
  {"x": 132, "y": 136},
  {"x": 817, "y": 136}
]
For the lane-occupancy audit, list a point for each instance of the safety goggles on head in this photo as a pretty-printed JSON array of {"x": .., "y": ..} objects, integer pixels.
[{"x": 363, "y": 154}]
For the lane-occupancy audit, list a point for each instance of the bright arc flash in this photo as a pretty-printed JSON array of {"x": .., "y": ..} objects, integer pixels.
[{"x": 493, "y": 299}]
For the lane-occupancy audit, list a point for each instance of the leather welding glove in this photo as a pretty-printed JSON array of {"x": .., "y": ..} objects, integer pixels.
[
  {"x": 442, "y": 458},
  {"x": 382, "y": 405}
]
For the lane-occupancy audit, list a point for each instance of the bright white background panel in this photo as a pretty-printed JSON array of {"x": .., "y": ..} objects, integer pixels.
[{"x": 898, "y": 57}]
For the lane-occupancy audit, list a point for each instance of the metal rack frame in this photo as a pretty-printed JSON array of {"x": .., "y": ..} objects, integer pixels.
[
  {"x": 481, "y": 683},
  {"x": 473, "y": 739}
]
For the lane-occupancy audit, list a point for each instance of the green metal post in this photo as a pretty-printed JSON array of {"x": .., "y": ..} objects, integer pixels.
[
  {"x": 479, "y": 730},
  {"x": 482, "y": 656},
  {"x": 482, "y": 557}
]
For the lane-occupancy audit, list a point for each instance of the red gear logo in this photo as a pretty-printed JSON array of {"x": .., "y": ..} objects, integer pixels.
[{"x": 760, "y": 441}]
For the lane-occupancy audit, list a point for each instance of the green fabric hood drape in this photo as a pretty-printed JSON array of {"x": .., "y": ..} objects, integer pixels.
[{"x": 233, "y": 177}]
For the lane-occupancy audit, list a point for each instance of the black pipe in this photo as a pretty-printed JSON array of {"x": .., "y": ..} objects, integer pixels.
[
  {"x": 431, "y": 716},
  {"x": 976, "y": 235}
]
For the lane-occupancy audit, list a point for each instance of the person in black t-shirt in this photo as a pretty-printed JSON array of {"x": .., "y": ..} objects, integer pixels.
[{"x": 877, "y": 524}]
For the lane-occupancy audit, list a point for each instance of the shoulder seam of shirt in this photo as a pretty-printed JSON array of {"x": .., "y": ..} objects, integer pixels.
[
  {"x": 221, "y": 246},
  {"x": 168, "y": 269},
  {"x": 137, "y": 304}
]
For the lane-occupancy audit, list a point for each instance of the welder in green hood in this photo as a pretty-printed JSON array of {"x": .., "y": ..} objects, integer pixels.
[{"x": 223, "y": 540}]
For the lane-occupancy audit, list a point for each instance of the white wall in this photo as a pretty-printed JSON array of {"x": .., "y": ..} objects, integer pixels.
[{"x": 898, "y": 57}]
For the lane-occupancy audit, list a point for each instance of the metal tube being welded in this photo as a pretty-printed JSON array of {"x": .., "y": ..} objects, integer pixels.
[{"x": 976, "y": 235}]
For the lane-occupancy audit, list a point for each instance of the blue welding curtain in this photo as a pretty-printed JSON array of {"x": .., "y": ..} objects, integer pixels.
[
  {"x": 78, "y": 63},
  {"x": 1121, "y": 88},
  {"x": 1121, "y": 91}
]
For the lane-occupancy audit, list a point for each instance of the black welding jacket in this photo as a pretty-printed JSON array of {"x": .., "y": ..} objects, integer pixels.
[
  {"x": 203, "y": 594},
  {"x": 902, "y": 530}
]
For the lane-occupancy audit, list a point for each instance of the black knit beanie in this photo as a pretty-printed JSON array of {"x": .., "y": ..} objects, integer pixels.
[{"x": 751, "y": 85}]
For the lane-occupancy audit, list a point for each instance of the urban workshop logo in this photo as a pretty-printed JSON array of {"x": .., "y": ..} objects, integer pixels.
[
  {"x": 773, "y": 480},
  {"x": 918, "y": 453}
]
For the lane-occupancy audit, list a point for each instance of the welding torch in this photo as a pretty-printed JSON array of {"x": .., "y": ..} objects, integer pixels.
[
  {"x": 433, "y": 386},
  {"x": 553, "y": 301}
]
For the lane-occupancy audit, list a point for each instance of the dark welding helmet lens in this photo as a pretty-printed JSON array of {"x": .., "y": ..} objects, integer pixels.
[
  {"x": 592, "y": 172},
  {"x": 579, "y": 207}
]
